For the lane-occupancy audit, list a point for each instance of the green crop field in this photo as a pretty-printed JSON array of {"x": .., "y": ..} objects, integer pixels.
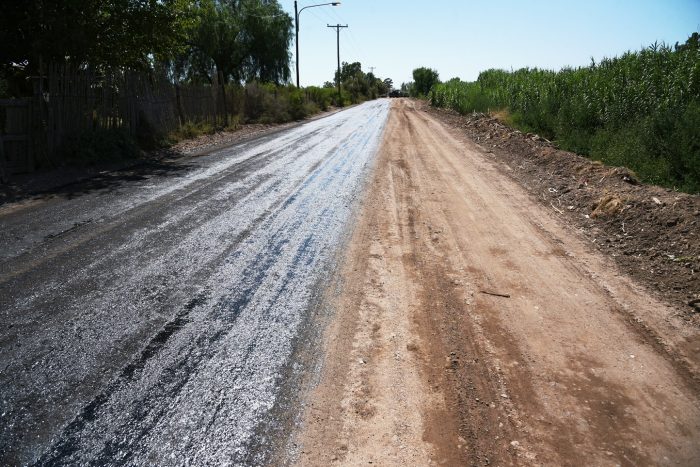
[{"x": 640, "y": 110}]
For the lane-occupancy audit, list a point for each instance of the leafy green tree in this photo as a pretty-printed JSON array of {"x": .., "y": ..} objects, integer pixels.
[
  {"x": 96, "y": 32},
  {"x": 349, "y": 71},
  {"x": 245, "y": 40},
  {"x": 213, "y": 44},
  {"x": 358, "y": 84},
  {"x": 90, "y": 33},
  {"x": 424, "y": 79},
  {"x": 692, "y": 44},
  {"x": 267, "y": 36}
]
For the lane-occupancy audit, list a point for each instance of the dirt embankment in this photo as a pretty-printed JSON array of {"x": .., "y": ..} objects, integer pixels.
[
  {"x": 474, "y": 327},
  {"x": 653, "y": 233}
]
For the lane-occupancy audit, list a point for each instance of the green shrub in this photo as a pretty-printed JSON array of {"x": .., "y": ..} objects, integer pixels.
[
  {"x": 321, "y": 97},
  {"x": 641, "y": 109}
]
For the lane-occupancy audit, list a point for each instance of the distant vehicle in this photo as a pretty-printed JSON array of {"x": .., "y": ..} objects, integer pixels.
[{"x": 397, "y": 93}]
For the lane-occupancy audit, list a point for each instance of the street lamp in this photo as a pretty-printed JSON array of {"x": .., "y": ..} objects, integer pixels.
[{"x": 296, "y": 27}]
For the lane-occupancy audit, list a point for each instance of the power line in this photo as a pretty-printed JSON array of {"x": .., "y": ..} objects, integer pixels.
[{"x": 355, "y": 48}]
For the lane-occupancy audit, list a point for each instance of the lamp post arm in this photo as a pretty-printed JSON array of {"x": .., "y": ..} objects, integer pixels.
[{"x": 320, "y": 4}]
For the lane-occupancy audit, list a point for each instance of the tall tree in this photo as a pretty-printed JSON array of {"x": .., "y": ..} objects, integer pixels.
[
  {"x": 245, "y": 40},
  {"x": 424, "y": 79},
  {"x": 94, "y": 33},
  {"x": 268, "y": 35},
  {"x": 214, "y": 44}
]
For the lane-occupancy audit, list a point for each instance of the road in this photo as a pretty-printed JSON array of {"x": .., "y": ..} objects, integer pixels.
[
  {"x": 474, "y": 327},
  {"x": 165, "y": 318},
  {"x": 369, "y": 287}
]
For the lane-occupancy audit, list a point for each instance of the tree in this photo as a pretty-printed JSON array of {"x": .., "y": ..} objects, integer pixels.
[
  {"x": 389, "y": 83},
  {"x": 692, "y": 44},
  {"x": 349, "y": 71},
  {"x": 424, "y": 79},
  {"x": 358, "y": 84},
  {"x": 267, "y": 37},
  {"x": 213, "y": 44},
  {"x": 245, "y": 40},
  {"x": 98, "y": 34}
]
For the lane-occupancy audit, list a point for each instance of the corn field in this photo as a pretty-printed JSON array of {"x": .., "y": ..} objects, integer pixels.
[{"x": 640, "y": 110}]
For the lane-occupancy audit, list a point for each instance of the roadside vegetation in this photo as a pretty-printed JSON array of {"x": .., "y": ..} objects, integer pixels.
[
  {"x": 424, "y": 79},
  {"x": 205, "y": 65},
  {"x": 640, "y": 110}
]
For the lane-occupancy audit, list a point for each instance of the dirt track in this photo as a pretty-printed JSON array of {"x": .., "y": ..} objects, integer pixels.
[{"x": 474, "y": 328}]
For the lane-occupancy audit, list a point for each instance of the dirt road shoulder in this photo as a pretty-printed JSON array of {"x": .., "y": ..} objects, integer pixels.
[{"x": 474, "y": 328}]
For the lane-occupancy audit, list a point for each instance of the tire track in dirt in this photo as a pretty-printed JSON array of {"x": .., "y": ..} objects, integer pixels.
[{"x": 423, "y": 367}]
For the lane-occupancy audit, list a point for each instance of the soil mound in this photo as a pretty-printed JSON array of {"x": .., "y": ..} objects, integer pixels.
[{"x": 653, "y": 233}]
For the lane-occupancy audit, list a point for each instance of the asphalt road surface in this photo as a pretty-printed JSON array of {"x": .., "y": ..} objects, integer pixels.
[{"x": 159, "y": 319}]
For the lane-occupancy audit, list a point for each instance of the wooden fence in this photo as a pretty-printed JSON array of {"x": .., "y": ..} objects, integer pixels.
[
  {"x": 68, "y": 102},
  {"x": 16, "y": 144}
]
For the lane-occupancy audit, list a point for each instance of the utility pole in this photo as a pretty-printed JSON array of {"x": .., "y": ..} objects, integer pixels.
[
  {"x": 297, "y": 12},
  {"x": 337, "y": 29},
  {"x": 371, "y": 69},
  {"x": 296, "y": 38}
]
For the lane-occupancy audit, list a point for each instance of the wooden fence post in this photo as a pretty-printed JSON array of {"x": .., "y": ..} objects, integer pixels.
[
  {"x": 178, "y": 105},
  {"x": 223, "y": 97}
]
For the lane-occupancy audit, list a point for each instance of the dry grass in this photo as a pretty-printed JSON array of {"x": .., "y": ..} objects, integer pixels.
[{"x": 608, "y": 205}]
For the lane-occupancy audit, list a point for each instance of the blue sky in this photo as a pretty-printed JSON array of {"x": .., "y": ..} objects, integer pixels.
[{"x": 460, "y": 38}]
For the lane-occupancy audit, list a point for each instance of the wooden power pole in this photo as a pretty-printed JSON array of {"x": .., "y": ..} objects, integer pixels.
[{"x": 337, "y": 29}]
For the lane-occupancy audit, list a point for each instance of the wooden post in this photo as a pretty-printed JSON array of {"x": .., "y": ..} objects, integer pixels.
[
  {"x": 178, "y": 105},
  {"x": 223, "y": 96}
]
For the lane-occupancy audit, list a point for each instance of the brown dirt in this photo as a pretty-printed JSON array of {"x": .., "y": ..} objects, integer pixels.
[
  {"x": 474, "y": 327},
  {"x": 652, "y": 233}
]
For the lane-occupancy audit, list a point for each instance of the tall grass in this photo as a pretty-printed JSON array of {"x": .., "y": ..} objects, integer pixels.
[{"x": 640, "y": 110}]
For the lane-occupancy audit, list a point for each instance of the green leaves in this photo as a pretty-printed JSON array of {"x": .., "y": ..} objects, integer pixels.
[
  {"x": 424, "y": 79},
  {"x": 245, "y": 40},
  {"x": 99, "y": 33},
  {"x": 639, "y": 109}
]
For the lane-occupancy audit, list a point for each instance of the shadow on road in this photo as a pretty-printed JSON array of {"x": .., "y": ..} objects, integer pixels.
[{"x": 73, "y": 182}]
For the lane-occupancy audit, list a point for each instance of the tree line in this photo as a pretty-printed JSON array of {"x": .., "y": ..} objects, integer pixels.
[
  {"x": 188, "y": 40},
  {"x": 199, "y": 66}
]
